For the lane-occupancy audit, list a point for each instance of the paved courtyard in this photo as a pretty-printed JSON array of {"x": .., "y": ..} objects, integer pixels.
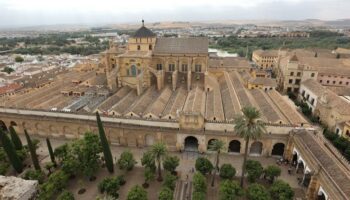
[{"x": 187, "y": 162}]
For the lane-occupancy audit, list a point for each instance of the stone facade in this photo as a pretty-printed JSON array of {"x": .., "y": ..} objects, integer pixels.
[{"x": 149, "y": 60}]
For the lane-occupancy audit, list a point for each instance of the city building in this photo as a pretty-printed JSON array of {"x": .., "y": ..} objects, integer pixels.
[
  {"x": 331, "y": 109},
  {"x": 294, "y": 67},
  {"x": 265, "y": 59},
  {"x": 291, "y": 72},
  {"x": 169, "y": 90}
]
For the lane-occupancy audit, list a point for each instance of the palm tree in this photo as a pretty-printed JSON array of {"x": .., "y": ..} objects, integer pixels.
[
  {"x": 248, "y": 126},
  {"x": 217, "y": 146},
  {"x": 158, "y": 151}
]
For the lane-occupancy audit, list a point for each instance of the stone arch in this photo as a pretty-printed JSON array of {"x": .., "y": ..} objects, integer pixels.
[
  {"x": 67, "y": 130},
  {"x": 13, "y": 123},
  {"x": 149, "y": 140},
  {"x": 26, "y": 126},
  {"x": 82, "y": 130},
  {"x": 3, "y": 126},
  {"x": 191, "y": 143},
  {"x": 294, "y": 158},
  {"x": 39, "y": 129},
  {"x": 53, "y": 129},
  {"x": 210, "y": 142},
  {"x": 234, "y": 146},
  {"x": 321, "y": 196},
  {"x": 301, "y": 166},
  {"x": 256, "y": 148},
  {"x": 278, "y": 149}
]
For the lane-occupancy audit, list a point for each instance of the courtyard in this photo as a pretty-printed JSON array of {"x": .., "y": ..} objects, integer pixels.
[{"x": 187, "y": 163}]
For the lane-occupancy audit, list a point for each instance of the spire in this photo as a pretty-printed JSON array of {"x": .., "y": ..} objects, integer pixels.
[{"x": 143, "y": 22}]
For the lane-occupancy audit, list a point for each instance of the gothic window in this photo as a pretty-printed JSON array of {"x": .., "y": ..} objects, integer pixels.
[
  {"x": 159, "y": 67},
  {"x": 184, "y": 67},
  {"x": 198, "y": 68},
  {"x": 171, "y": 67}
]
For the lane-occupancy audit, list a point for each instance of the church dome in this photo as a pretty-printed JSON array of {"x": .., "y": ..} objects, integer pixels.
[{"x": 143, "y": 32}]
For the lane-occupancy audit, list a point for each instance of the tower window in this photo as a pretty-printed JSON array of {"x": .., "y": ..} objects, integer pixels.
[
  {"x": 150, "y": 47},
  {"x": 138, "y": 47},
  {"x": 184, "y": 67},
  {"x": 198, "y": 68},
  {"x": 171, "y": 67}
]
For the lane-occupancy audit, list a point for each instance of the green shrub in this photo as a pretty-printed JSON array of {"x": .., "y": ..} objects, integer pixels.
[
  {"x": 203, "y": 165},
  {"x": 257, "y": 192},
  {"x": 281, "y": 190},
  {"x": 170, "y": 181},
  {"x": 65, "y": 195},
  {"x": 227, "y": 171},
  {"x": 34, "y": 175},
  {"x": 254, "y": 170}
]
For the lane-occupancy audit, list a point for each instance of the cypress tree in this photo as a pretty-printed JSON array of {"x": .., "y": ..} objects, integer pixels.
[
  {"x": 52, "y": 156},
  {"x": 32, "y": 151},
  {"x": 105, "y": 146},
  {"x": 15, "y": 139},
  {"x": 11, "y": 152}
]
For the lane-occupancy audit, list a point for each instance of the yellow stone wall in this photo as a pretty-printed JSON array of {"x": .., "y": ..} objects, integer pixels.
[{"x": 143, "y": 43}]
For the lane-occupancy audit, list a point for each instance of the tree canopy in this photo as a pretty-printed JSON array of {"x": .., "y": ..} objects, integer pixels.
[
  {"x": 203, "y": 165},
  {"x": 257, "y": 192},
  {"x": 126, "y": 161},
  {"x": 227, "y": 171},
  {"x": 281, "y": 190},
  {"x": 230, "y": 190},
  {"x": 137, "y": 193}
]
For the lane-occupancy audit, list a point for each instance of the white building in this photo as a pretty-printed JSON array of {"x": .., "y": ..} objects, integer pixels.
[{"x": 310, "y": 90}]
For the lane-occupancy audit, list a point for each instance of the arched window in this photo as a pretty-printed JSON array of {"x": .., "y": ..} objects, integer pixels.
[{"x": 133, "y": 70}]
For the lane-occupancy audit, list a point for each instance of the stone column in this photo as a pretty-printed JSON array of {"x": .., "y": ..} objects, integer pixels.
[
  {"x": 189, "y": 77},
  {"x": 243, "y": 144},
  {"x": 268, "y": 148},
  {"x": 174, "y": 79},
  {"x": 160, "y": 79},
  {"x": 313, "y": 188}
]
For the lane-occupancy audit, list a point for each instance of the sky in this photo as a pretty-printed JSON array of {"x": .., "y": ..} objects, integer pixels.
[{"x": 19, "y": 13}]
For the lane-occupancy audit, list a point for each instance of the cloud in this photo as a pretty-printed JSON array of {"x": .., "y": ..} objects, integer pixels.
[{"x": 37, "y": 12}]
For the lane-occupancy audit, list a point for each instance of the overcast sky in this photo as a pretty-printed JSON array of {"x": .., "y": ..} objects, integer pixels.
[{"x": 14, "y": 13}]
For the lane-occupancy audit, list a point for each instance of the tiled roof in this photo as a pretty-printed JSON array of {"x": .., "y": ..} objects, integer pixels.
[
  {"x": 144, "y": 32},
  {"x": 263, "y": 81},
  {"x": 314, "y": 86},
  {"x": 266, "y": 53},
  {"x": 327, "y": 162},
  {"x": 195, "y": 45},
  {"x": 10, "y": 88}
]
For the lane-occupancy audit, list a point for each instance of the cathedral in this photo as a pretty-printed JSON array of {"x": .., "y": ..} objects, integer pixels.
[{"x": 149, "y": 60}]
